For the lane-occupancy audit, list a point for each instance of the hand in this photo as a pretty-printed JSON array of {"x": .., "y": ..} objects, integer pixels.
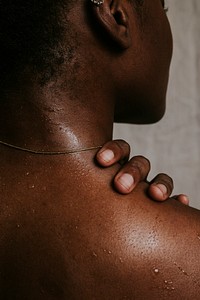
[{"x": 135, "y": 170}]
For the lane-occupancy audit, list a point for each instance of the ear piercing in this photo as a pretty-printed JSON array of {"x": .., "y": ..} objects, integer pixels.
[{"x": 97, "y": 2}]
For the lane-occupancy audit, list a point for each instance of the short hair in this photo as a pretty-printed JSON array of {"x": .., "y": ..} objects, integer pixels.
[{"x": 30, "y": 35}]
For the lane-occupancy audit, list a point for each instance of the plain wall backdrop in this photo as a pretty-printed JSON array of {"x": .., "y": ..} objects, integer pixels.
[{"x": 173, "y": 144}]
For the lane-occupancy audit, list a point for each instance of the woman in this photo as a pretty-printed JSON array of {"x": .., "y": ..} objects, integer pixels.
[{"x": 68, "y": 69}]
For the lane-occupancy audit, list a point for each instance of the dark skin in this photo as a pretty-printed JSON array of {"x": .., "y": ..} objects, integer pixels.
[
  {"x": 135, "y": 170},
  {"x": 65, "y": 234}
]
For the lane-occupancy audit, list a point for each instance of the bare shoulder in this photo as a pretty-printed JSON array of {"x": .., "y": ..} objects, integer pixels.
[
  {"x": 140, "y": 249},
  {"x": 158, "y": 247},
  {"x": 68, "y": 235}
]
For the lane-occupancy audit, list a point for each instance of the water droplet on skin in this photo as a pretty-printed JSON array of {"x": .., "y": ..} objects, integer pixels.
[
  {"x": 18, "y": 226},
  {"x": 156, "y": 271},
  {"x": 27, "y": 173},
  {"x": 198, "y": 236},
  {"x": 168, "y": 285},
  {"x": 107, "y": 251},
  {"x": 185, "y": 273},
  {"x": 94, "y": 254},
  {"x": 32, "y": 186},
  {"x": 170, "y": 288}
]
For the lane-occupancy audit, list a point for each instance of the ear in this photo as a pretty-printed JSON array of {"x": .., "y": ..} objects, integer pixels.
[{"x": 112, "y": 16}]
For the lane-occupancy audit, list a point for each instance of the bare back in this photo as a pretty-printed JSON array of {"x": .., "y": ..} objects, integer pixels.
[{"x": 66, "y": 235}]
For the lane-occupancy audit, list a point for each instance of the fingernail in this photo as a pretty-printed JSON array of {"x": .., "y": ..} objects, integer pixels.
[
  {"x": 126, "y": 180},
  {"x": 186, "y": 200},
  {"x": 107, "y": 155},
  {"x": 162, "y": 188}
]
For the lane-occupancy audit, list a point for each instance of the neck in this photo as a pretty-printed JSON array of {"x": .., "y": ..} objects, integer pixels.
[{"x": 51, "y": 119}]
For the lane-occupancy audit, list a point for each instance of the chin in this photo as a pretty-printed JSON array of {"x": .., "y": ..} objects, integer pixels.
[
  {"x": 146, "y": 107},
  {"x": 142, "y": 117},
  {"x": 153, "y": 117}
]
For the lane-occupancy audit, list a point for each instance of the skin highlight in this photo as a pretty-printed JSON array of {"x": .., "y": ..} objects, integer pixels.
[{"x": 65, "y": 233}]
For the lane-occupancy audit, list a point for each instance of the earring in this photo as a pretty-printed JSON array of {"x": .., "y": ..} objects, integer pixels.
[{"x": 97, "y": 2}]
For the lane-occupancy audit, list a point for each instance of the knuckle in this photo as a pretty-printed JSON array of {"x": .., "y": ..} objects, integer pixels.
[
  {"x": 108, "y": 145},
  {"x": 166, "y": 179},
  {"x": 122, "y": 150},
  {"x": 141, "y": 164},
  {"x": 123, "y": 145}
]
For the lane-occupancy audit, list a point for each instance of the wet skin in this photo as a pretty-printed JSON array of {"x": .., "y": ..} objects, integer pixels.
[
  {"x": 65, "y": 233},
  {"x": 64, "y": 243}
]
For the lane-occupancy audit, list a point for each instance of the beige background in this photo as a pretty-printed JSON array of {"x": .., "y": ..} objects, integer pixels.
[{"x": 173, "y": 144}]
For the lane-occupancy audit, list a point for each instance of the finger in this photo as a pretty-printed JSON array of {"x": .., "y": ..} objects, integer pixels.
[
  {"x": 182, "y": 198},
  {"x": 112, "y": 152},
  {"x": 131, "y": 174},
  {"x": 161, "y": 187}
]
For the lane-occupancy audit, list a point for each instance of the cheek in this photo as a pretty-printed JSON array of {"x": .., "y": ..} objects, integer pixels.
[
  {"x": 163, "y": 47},
  {"x": 155, "y": 62},
  {"x": 158, "y": 39},
  {"x": 144, "y": 91}
]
